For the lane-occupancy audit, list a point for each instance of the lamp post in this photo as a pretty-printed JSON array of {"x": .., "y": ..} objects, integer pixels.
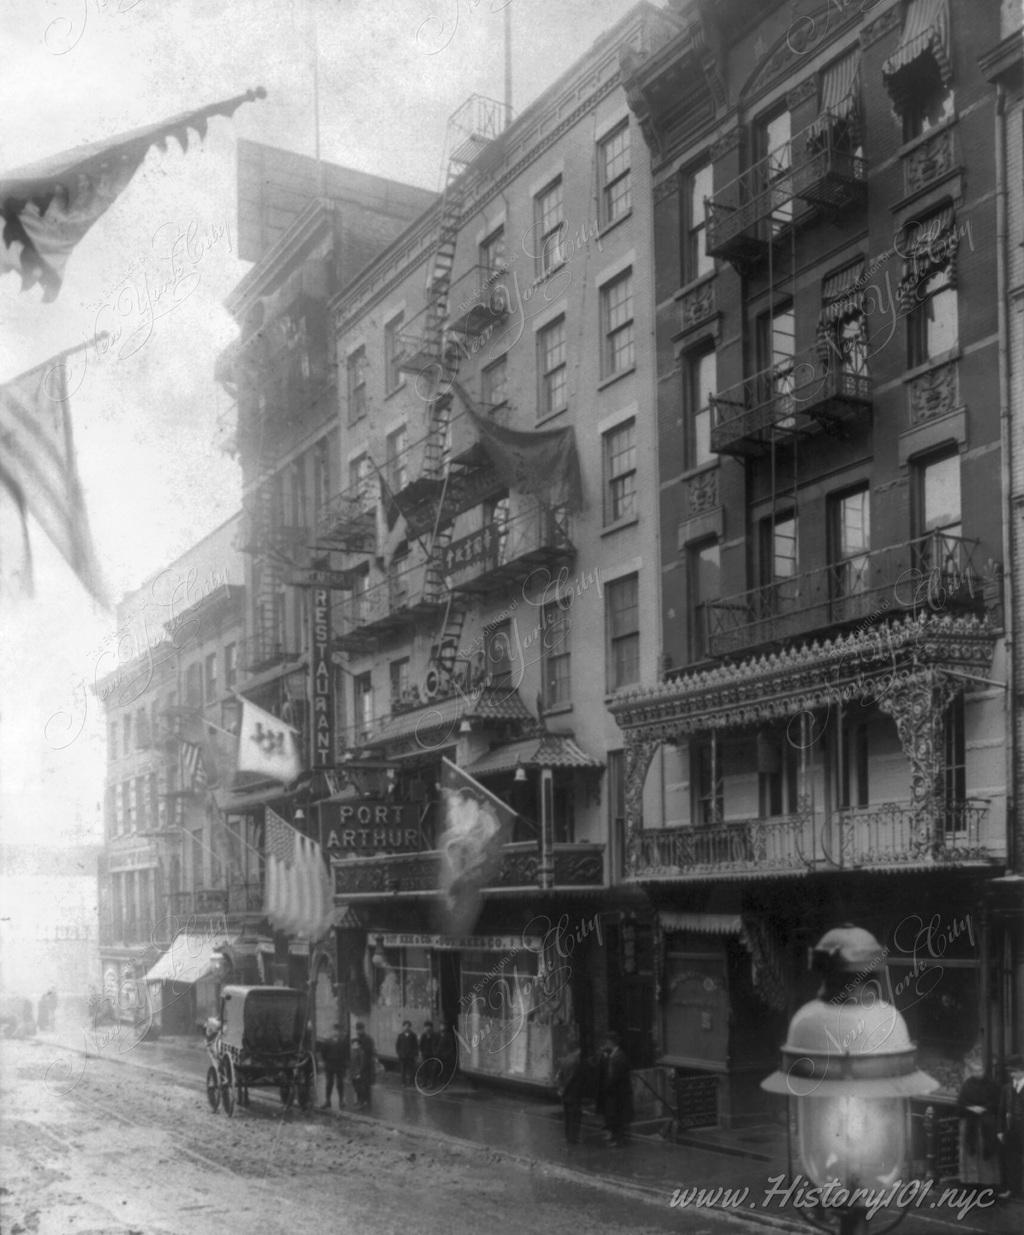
[{"x": 850, "y": 1065}]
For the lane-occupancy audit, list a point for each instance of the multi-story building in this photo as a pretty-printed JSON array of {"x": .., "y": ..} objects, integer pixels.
[
  {"x": 499, "y": 545},
  {"x": 180, "y": 881},
  {"x": 827, "y": 734}
]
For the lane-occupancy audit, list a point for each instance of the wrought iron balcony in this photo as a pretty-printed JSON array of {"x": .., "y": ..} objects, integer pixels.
[
  {"x": 784, "y": 843},
  {"x": 348, "y": 521},
  {"x": 266, "y": 648},
  {"x": 245, "y": 897},
  {"x": 408, "y": 593},
  {"x": 800, "y": 396},
  {"x": 506, "y": 550},
  {"x": 932, "y": 573},
  {"x": 479, "y": 300},
  {"x": 576, "y": 865},
  {"x": 895, "y": 834},
  {"x": 211, "y": 900},
  {"x": 817, "y": 168}
]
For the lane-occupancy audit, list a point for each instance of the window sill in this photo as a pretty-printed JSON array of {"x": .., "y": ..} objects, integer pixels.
[
  {"x": 933, "y": 362},
  {"x": 610, "y": 227},
  {"x": 619, "y": 524},
  {"x": 556, "y": 709},
  {"x": 395, "y": 390},
  {"x": 912, "y": 143},
  {"x": 692, "y": 284},
  {"x": 612, "y": 378},
  {"x": 549, "y": 416},
  {"x": 698, "y": 469}
]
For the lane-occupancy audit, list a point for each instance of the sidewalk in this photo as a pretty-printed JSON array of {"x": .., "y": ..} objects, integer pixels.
[{"x": 529, "y": 1129}]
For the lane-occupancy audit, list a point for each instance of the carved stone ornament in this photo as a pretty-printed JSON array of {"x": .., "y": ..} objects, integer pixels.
[
  {"x": 807, "y": 89},
  {"x": 885, "y": 23},
  {"x": 726, "y": 144},
  {"x": 697, "y": 305},
  {"x": 929, "y": 161},
  {"x": 932, "y": 394},
  {"x": 702, "y": 493}
]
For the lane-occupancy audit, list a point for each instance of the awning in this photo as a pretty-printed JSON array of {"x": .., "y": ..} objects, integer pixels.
[
  {"x": 189, "y": 958},
  {"x": 928, "y": 246},
  {"x": 841, "y": 297},
  {"x": 673, "y": 923},
  {"x": 840, "y": 98},
  {"x": 925, "y": 34},
  {"x": 549, "y": 750},
  {"x": 493, "y": 703}
]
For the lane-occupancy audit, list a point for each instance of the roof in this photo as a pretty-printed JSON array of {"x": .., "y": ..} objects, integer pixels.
[
  {"x": 547, "y": 750},
  {"x": 189, "y": 958},
  {"x": 491, "y": 703}
]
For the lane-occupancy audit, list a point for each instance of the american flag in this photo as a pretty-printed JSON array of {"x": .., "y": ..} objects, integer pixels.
[
  {"x": 298, "y": 896},
  {"x": 192, "y": 766}
]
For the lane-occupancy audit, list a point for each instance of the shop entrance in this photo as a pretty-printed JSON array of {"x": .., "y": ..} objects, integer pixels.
[{"x": 449, "y": 979}]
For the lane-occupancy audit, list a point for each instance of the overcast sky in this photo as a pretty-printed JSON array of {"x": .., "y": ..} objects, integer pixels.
[{"x": 148, "y": 417}]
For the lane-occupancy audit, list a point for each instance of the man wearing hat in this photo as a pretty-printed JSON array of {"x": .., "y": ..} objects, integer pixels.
[{"x": 334, "y": 1053}]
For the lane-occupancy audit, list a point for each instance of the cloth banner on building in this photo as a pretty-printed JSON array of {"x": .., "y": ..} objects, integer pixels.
[
  {"x": 298, "y": 896},
  {"x": 476, "y": 826},
  {"x": 39, "y": 472},
  {"x": 193, "y": 768},
  {"x": 541, "y": 462},
  {"x": 267, "y": 745},
  {"x": 49, "y": 206}
]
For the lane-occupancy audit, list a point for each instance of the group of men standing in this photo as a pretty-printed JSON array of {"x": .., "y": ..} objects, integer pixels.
[
  {"x": 607, "y": 1078},
  {"x": 357, "y": 1056},
  {"x": 436, "y": 1053}
]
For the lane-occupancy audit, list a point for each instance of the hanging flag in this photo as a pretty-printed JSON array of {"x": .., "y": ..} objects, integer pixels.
[
  {"x": 476, "y": 825},
  {"x": 192, "y": 766},
  {"x": 298, "y": 896},
  {"x": 542, "y": 462},
  {"x": 267, "y": 745},
  {"x": 49, "y": 206},
  {"x": 39, "y": 471}
]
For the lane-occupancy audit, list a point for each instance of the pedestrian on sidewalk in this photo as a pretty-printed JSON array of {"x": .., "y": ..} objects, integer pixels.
[
  {"x": 364, "y": 1061},
  {"x": 430, "y": 1070},
  {"x": 978, "y": 1101},
  {"x": 618, "y": 1090},
  {"x": 448, "y": 1053},
  {"x": 570, "y": 1081},
  {"x": 1010, "y": 1124},
  {"x": 334, "y": 1052},
  {"x": 407, "y": 1049}
]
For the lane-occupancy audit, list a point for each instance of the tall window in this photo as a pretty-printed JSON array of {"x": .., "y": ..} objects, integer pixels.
[
  {"x": 141, "y": 729},
  {"x": 617, "y": 325},
  {"x": 776, "y": 347},
  {"x": 230, "y": 666},
  {"x": 938, "y": 516},
  {"x": 851, "y": 746},
  {"x": 696, "y": 261},
  {"x": 623, "y": 631},
  {"x": 297, "y": 490},
  {"x": 779, "y": 553},
  {"x": 549, "y": 227},
  {"x": 498, "y": 653},
  {"x": 850, "y": 535},
  {"x": 210, "y": 677},
  {"x": 551, "y": 364},
  {"x": 492, "y": 252},
  {"x": 705, "y": 587},
  {"x": 494, "y": 383},
  {"x": 929, "y": 106},
  {"x": 356, "y": 372},
  {"x": 620, "y": 472},
  {"x": 557, "y": 631},
  {"x": 616, "y": 761},
  {"x": 126, "y": 731},
  {"x": 360, "y": 480},
  {"x": 362, "y": 701},
  {"x": 393, "y": 352},
  {"x": 614, "y": 165},
  {"x": 321, "y": 476},
  {"x": 929, "y": 286},
  {"x": 398, "y": 468},
  {"x": 773, "y": 138},
  {"x": 954, "y": 764},
  {"x": 399, "y": 674},
  {"x": 701, "y": 379}
]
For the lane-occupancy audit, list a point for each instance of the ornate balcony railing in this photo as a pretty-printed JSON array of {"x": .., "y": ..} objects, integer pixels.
[
  {"x": 349, "y": 519},
  {"x": 268, "y": 646},
  {"x": 479, "y": 300},
  {"x": 245, "y": 897},
  {"x": 736, "y": 846},
  {"x": 575, "y": 865},
  {"x": 505, "y": 550},
  {"x": 211, "y": 900},
  {"x": 894, "y": 834},
  {"x": 801, "y": 395},
  {"x": 932, "y": 573},
  {"x": 818, "y": 167}
]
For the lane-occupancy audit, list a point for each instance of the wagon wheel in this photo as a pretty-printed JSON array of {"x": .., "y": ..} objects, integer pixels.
[
  {"x": 213, "y": 1089},
  {"x": 227, "y": 1084},
  {"x": 306, "y": 1085}
]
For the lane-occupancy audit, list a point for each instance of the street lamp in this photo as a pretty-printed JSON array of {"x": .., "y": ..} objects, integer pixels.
[{"x": 849, "y": 1063}]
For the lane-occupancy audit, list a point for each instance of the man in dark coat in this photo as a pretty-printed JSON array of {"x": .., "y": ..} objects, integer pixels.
[
  {"x": 570, "y": 1081},
  {"x": 618, "y": 1090},
  {"x": 448, "y": 1053},
  {"x": 364, "y": 1060},
  {"x": 1010, "y": 1128},
  {"x": 430, "y": 1071},
  {"x": 407, "y": 1049},
  {"x": 334, "y": 1052}
]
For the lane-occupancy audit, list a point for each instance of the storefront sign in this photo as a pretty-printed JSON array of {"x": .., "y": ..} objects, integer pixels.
[
  {"x": 370, "y": 825},
  {"x": 467, "y": 943},
  {"x": 473, "y": 550},
  {"x": 321, "y": 730},
  {"x": 337, "y": 580},
  {"x": 133, "y": 859}
]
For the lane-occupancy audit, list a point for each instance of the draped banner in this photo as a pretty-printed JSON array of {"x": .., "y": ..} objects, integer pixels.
[
  {"x": 541, "y": 462},
  {"x": 298, "y": 888}
]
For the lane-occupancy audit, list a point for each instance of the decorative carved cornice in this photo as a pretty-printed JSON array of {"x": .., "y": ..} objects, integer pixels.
[
  {"x": 930, "y": 161},
  {"x": 932, "y": 394},
  {"x": 702, "y": 493},
  {"x": 726, "y": 144},
  {"x": 669, "y": 187},
  {"x": 804, "y": 35},
  {"x": 863, "y": 664},
  {"x": 697, "y": 305},
  {"x": 807, "y": 89},
  {"x": 891, "y": 19}
]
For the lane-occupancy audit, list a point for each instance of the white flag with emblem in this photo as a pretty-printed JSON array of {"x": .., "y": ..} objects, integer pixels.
[{"x": 267, "y": 745}]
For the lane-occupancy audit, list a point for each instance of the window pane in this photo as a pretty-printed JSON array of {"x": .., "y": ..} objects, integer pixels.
[
  {"x": 703, "y": 380},
  {"x": 784, "y": 549},
  {"x": 941, "y": 494}
]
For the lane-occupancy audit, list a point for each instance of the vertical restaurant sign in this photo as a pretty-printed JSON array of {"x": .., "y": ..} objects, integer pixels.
[{"x": 321, "y": 731}]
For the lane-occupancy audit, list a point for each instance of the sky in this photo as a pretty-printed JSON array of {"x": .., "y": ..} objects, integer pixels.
[{"x": 149, "y": 420}]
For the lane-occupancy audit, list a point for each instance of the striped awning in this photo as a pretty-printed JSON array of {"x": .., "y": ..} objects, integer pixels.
[
  {"x": 925, "y": 34},
  {"x": 673, "y": 923},
  {"x": 549, "y": 750},
  {"x": 840, "y": 98},
  {"x": 842, "y": 295}
]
